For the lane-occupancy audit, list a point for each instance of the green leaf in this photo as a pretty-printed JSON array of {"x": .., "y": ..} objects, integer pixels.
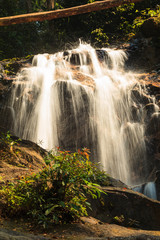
[
  {"x": 61, "y": 203},
  {"x": 49, "y": 210}
]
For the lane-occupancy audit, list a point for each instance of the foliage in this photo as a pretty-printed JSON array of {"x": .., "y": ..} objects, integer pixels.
[
  {"x": 99, "y": 28},
  {"x": 11, "y": 66},
  {"x": 119, "y": 219},
  {"x": 144, "y": 14},
  {"x": 101, "y": 37},
  {"x": 59, "y": 192}
]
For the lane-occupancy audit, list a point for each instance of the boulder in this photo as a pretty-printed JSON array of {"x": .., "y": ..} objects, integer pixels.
[
  {"x": 127, "y": 208},
  {"x": 150, "y": 28}
]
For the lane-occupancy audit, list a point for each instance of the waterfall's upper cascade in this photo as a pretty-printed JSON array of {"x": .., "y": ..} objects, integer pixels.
[{"x": 84, "y": 98}]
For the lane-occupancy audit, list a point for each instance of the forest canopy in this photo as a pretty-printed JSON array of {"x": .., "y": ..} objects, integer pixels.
[{"x": 98, "y": 28}]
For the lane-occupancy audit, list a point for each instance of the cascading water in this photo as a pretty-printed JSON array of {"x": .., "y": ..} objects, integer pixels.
[
  {"x": 37, "y": 113},
  {"x": 57, "y": 90},
  {"x": 120, "y": 139},
  {"x": 148, "y": 189}
]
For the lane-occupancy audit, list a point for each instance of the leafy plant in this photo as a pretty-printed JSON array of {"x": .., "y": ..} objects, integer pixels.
[
  {"x": 119, "y": 219},
  {"x": 144, "y": 14},
  {"x": 58, "y": 193},
  {"x": 7, "y": 140},
  {"x": 100, "y": 36}
]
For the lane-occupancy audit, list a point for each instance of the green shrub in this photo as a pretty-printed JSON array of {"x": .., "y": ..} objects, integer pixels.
[{"x": 58, "y": 193}]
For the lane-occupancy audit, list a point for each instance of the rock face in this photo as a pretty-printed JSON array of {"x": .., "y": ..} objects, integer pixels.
[
  {"x": 143, "y": 57},
  {"x": 69, "y": 126},
  {"x": 19, "y": 159},
  {"x": 153, "y": 121},
  {"x": 127, "y": 208},
  {"x": 74, "y": 130}
]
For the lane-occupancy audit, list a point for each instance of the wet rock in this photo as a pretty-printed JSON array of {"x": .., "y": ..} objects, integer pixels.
[
  {"x": 150, "y": 109},
  {"x": 102, "y": 55},
  {"x": 135, "y": 113},
  {"x": 139, "y": 97},
  {"x": 83, "y": 79},
  {"x": 76, "y": 58},
  {"x": 153, "y": 125},
  {"x": 153, "y": 88},
  {"x": 74, "y": 129}
]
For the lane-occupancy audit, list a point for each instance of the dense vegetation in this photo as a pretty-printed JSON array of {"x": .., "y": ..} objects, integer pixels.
[
  {"x": 58, "y": 193},
  {"x": 99, "y": 28}
]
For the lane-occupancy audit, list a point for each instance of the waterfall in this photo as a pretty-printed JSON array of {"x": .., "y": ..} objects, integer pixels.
[
  {"x": 120, "y": 138},
  {"x": 148, "y": 189},
  {"x": 85, "y": 93}
]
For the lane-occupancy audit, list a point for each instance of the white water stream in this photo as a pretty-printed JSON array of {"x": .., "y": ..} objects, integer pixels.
[
  {"x": 148, "y": 189},
  {"x": 39, "y": 105}
]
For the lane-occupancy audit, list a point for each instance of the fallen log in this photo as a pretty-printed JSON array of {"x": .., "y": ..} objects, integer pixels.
[{"x": 61, "y": 13}]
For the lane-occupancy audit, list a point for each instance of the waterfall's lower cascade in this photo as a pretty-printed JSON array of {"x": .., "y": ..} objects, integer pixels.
[
  {"x": 148, "y": 189},
  {"x": 84, "y": 98}
]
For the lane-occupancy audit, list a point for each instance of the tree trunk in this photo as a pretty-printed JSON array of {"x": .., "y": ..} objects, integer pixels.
[
  {"x": 41, "y": 16},
  {"x": 50, "y": 4}
]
